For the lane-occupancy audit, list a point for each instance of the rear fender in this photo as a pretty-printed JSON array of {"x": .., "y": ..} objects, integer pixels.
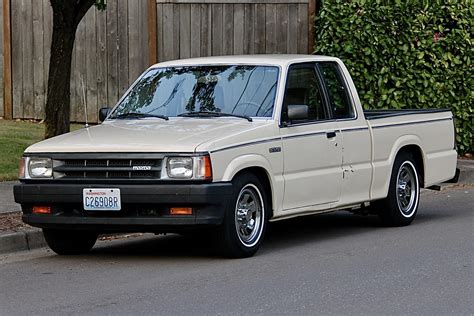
[{"x": 383, "y": 172}]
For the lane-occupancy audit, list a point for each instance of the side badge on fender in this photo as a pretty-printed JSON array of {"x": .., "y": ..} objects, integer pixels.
[{"x": 274, "y": 149}]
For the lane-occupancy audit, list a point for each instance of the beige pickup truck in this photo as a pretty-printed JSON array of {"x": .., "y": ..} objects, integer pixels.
[{"x": 227, "y": 144}]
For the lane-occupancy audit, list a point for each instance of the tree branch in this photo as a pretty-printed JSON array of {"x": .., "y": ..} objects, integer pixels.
[{"x": 81, "y": 8}]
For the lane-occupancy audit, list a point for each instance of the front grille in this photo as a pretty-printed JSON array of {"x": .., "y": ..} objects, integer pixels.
[{"x": 108, "y": 168}]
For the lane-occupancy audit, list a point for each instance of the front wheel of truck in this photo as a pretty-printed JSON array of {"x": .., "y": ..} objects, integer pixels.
[
  {"x": 69, "y": 242},
  {"x": 400, "y": 206},
  {"x": 245, "y": 219}
]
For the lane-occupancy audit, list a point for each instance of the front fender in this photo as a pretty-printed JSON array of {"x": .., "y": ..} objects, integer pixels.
[
  {"x": 257, "y": 161},
  {"x": 246, "y": 161}
]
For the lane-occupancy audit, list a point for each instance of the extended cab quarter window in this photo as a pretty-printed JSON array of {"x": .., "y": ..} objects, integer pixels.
[
  {"x": 337, "y": 90},
  {"x": 303, "y": 88}
]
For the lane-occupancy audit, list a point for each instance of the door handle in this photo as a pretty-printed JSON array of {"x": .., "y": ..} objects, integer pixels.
[{"x": 331, "y": 134}]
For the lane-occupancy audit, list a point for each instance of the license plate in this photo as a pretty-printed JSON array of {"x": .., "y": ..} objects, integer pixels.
[{"x": 101, "y": 199}]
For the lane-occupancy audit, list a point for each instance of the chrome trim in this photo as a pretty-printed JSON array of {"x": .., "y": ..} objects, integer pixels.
[{"x": 249, "y": 215}]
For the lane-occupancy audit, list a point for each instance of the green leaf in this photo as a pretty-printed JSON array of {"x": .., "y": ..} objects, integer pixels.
[
  {"x": 395, "y": 59},
  {"x": 101, "y": 4}
]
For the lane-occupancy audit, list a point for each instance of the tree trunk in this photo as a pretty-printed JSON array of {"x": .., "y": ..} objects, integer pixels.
[
  {"x": 66, "y": 16},
  {"x": 59, "y": 95}
]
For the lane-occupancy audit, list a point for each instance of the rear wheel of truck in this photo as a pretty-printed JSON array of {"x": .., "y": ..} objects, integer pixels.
[
  {"x": 245, "y": 219},
  {"x": 400, "y": 206},
  {"x": 70, "y": 242}
]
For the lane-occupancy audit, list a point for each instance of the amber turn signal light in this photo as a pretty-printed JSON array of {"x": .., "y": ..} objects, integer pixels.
[
  {"x": 41, "y": 210},
  {"x": 181, "y": 211},
  {"x": 204, "y": 168},
  {"x": 207, "y": 168},
  {"x": 21, "y": 168}
]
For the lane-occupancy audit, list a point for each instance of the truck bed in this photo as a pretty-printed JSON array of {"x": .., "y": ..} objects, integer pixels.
[
  {"x": 432, "y": 131},
  {"x": 377, "y": 114}
]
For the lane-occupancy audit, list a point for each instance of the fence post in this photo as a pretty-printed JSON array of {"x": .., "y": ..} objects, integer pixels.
[
  {"x": 311, "y": 29},
  {"x": 152, "y": 40},
  {"x": 7, "y": 62}
]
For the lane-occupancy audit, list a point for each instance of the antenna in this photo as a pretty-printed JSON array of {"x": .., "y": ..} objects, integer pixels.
[{"x": 84, "y": 100}]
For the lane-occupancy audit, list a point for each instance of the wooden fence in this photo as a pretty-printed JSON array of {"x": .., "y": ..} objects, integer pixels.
[
  {"x": 110, "y": 51},
  {"x": 114, "y": 46},
  {"x": 190, "y": 28}
]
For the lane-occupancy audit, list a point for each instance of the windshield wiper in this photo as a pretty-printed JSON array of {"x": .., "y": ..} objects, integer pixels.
[
  {"x": 211, "y": 113},
  {"x": 140, "y": 115}
]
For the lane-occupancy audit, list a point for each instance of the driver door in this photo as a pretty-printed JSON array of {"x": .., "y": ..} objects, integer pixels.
[{"x": 312, "y": 147}]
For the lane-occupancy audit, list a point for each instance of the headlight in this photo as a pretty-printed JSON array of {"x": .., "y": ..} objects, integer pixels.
[
  {"x": 198, "y": 168},
  {"x": 40, "y": 167},
  {"x": 180, "y": 167}
]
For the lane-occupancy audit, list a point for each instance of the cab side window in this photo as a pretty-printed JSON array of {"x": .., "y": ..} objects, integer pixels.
[
  {"x": 303, "y": 88},
  {"x": 338, "y": 92}
]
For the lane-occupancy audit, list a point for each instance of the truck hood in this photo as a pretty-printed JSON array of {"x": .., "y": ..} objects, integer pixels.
[{"x": 147, "y": 135}]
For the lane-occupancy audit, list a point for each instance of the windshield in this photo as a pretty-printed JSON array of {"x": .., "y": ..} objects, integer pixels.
[{"x": 225, "y": 89}]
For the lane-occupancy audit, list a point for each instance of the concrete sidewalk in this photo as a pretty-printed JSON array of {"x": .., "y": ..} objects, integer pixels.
[
  {"x": 467, "y": 170},
  {"x": 7, "y": 202}
]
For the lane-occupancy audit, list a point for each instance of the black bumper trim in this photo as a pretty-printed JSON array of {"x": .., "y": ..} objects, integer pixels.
[
  {"x": 122, "y": 224},
  {"x": 208, "y": 201},
  {"x": 27, "y": 193}
]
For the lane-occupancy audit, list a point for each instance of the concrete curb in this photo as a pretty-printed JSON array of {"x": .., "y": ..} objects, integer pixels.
[
  {"x": 467, "y": 171},
  {"x": 32, "y": 239},
  {"x": 24, "y": 240}
]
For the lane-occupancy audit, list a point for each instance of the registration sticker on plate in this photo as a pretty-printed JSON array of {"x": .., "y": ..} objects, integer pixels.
[{"x": 101, "y": 199}]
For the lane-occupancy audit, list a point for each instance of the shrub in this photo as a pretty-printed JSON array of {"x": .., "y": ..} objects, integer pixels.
[{"x": 406, "y": 54}]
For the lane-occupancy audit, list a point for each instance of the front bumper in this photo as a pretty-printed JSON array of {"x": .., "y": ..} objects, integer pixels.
[{"x": 145, "y": 207}]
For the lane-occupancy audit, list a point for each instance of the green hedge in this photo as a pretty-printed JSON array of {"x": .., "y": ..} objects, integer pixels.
[{"x": 407, "y": 54}]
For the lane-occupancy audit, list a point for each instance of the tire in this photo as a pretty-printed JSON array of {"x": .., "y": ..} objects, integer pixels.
[
  {"x": 399, "y": 208},
  {"x": 244, "y": 226},
  {"x": 70, "y": 242}
]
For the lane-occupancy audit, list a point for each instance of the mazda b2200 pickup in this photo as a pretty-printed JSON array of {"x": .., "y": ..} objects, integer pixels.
[{"x": 227, "y": 144}]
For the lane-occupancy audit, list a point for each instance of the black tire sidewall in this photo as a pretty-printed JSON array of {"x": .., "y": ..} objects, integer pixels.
[
  {"x": 391, "y": 214},
  {"x": 70, "y": 242},
  {"x": 231, "y": 245}
]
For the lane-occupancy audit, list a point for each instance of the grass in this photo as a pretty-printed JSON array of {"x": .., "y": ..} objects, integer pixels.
[{"x": 15, "y": 137}]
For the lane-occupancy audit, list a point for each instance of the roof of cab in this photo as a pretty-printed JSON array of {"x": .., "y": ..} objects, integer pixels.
[{"x": 275, "y": 60}]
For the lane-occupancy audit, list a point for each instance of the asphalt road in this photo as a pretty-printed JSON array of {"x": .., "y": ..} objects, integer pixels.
[{"x": 328, "y": 264}]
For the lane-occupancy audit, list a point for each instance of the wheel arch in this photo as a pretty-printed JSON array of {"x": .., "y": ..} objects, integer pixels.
[
  {"x": 258, "y": 166},
  {"x": 383, "y": 167},
  {"x": 418, "y": 156}
]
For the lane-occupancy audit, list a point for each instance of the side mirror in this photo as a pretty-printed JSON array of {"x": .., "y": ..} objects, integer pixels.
[
  {"x": 103, "y": 112},
  {"x": 297, "y": 112}
]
